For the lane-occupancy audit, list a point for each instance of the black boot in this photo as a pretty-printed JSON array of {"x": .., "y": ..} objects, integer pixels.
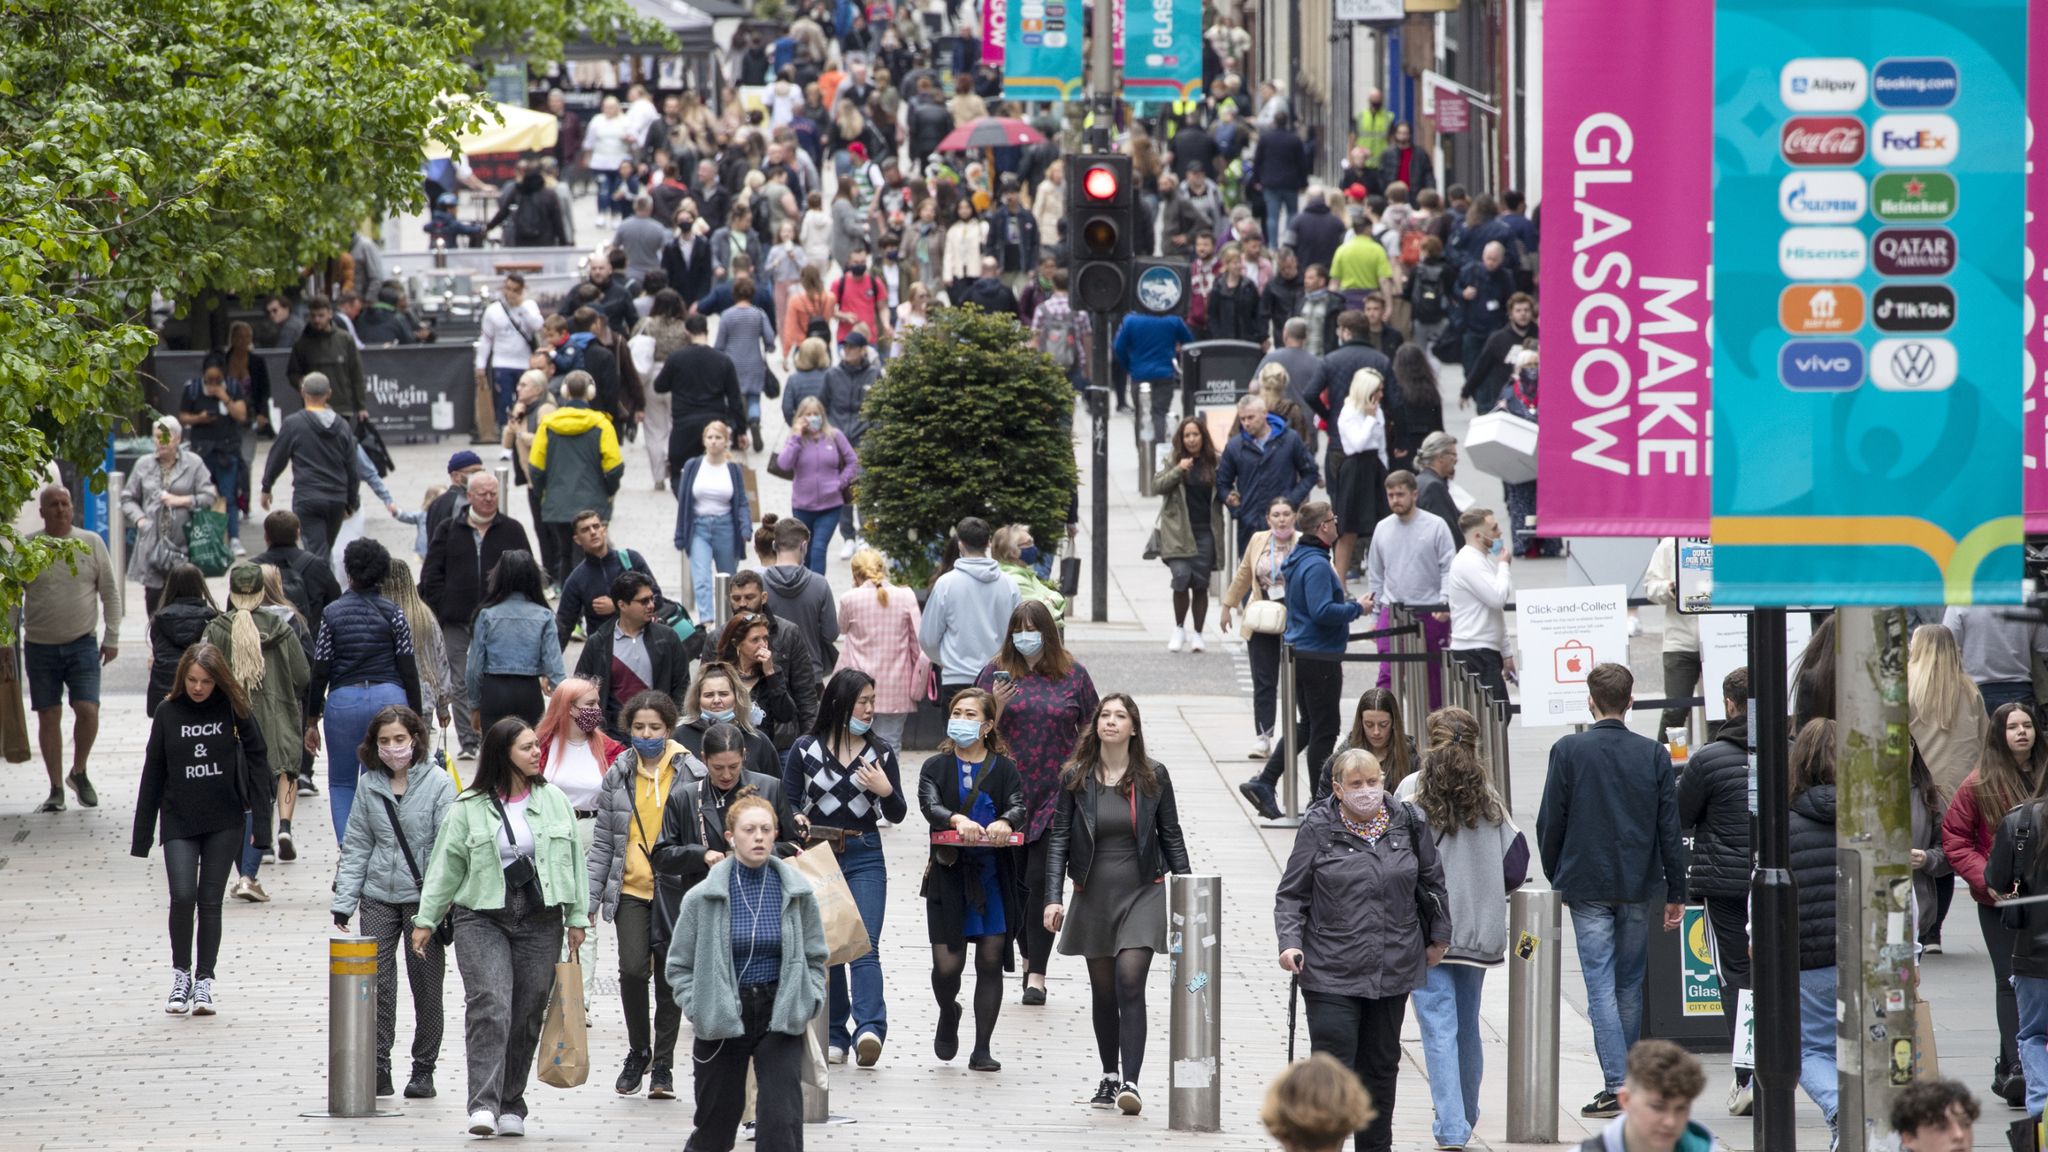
[
  {"x": 384, "y": 1086},
  {"x": 421, "y": 1086},
  {"x": 2015, "y": 1090},
  {"x": 754, "y": 429}
]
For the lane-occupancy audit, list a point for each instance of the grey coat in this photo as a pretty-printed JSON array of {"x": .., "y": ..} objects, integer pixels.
[
  {"x": 611, "y": 836},
  {"x": 371, "y": 863},
  {"x": 1363, "y": 914},
  {"x": 700, "y": 967},
  {"x": 148, "y": 562}
]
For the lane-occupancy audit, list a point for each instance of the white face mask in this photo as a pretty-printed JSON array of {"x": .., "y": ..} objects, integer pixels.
[{"x": 1362, "y": 803}]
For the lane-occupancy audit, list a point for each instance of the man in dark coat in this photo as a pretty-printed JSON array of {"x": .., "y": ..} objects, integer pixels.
[
  {"x": 1318, "y": 232},
  {"x": 704, "y": 386},
  {"x": 651, "y": 656},
  {"x": 686, "y": 258},
  {"x": 1713, "y": 808},
  {"x": 1406, "y": 162},
  {"x": 1281, "y": 168},
  {"x": 453, "y": 579}
]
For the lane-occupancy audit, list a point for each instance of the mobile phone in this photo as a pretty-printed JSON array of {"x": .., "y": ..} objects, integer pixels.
[{"x": 1002, "y": 677}]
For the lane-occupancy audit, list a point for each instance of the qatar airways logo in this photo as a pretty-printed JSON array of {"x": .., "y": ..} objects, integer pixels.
[{"x": 1835, "y": 140}]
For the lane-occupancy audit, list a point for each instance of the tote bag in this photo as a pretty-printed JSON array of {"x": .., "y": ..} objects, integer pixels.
[{"x": 846, "y": 934}]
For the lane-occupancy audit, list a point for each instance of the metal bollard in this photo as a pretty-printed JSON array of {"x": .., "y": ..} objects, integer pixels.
[
  {"x": 721, "y": 602},
  {"x": 351, "y": 1026},
  {"x": 117, "y": 527},
  {"x": 1534, "y": 958},
  {"x": 1503, "y": 773},
  {"x": 1290, "y": 791},
  {"x": 1194, "y": 1097},
  {"x": 1147, "y": 457}
]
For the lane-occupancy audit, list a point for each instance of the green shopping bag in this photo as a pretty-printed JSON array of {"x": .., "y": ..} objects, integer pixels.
[{"x": 206, "y": 541}]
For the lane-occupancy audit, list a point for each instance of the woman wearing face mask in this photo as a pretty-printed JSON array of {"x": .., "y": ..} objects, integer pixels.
[
  {"x": 744, "y": 647},
  {"x": 2010, "y": 770},
  {"x": 843, "y": 781},
  {"x": 1190, "y": 528},
  {"x": 1258, "y": 577},
  {"x": 748, "y": 969},
  {"x": 693, "y": 821},
  {"x": 158, "y": 500},
  {"x": 1362, "y": 915},
  {"x": 391, "y": 836},
  {"x": 973, "y": 892},
  {"x": 505, "y": 863},
  {"x": 1016, "y": 555},
  {"x": 716, "y": 696},
  {"x": 821, "y": 465},
  {"x": 575, "y": 753},
  {"x": 1117, "y": 833},
  {"x": 1043, "y": 701}
]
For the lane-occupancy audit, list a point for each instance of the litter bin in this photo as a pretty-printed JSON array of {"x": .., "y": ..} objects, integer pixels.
[
  {"x": 1214, "y": 373},
  {"x": 1682, "y": 999}
]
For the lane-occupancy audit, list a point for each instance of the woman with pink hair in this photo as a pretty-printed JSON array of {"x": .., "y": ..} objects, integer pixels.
[{"x": 574, "y": 754}]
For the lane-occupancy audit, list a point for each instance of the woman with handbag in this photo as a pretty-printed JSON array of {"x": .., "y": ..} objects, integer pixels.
[
  {"x": 693, "y": 822},
  {"x": 665, "y": 330},
  {"x": 391, "y": 837},
  {"x": 1189, "y": 528},
  {"x": 1117, "y": 833},
  {"x": 878, "y": 625},
  {"x": 821, "y": 466},
  {"x": 362, "y": 646},
  {"x": 505, "y": 865},
  {"x": 575, "y": 754},
  {"x": 1360, "y": 494},
  {"x": 973, "y": 892},
  {"x": 843, "y": 782},
  {"x": 2011, "y": 768},
  {"x": 1257, "y": 589},
  {"x": 158, "y": 501},
  {"x": 748, "y": 968},
  {"x": 1044, "y": 700},
  {"x": 205, "y": 774},
  {"x": 2015, "y": 868},
  {"x": 270, "y": 664},
  {"x": 1812, "y": 863},
  {"x": 1362, "y": 916},
  {"x": 716, "y": 697},
  {"x": 1484, "y": 857},
  {"x": 1518, "y": 398},
  {"x": 713, "y": 517}
]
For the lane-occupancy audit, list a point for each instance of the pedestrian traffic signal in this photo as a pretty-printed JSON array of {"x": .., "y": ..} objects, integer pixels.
[{"x": 1100, "y": 221}]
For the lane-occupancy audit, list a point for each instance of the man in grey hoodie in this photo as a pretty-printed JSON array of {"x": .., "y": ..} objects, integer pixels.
[
  {"x": 801, "y": 597},
  {"x": 968, "y": 611},
  {"x": 320, "y": 448}
]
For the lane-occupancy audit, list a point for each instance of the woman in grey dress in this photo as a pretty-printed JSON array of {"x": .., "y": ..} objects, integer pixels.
[
  {"x": 745, "y": 335},
  {"x": 1117, "y": 832}
]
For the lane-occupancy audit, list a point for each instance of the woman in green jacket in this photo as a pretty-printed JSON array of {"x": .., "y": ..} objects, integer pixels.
[
  {"x": 506, "y": 862},
  {"x": 1190, "y": 528},
  {"x": 265, "y": 655},
  {"x": 748, "y": 968}
]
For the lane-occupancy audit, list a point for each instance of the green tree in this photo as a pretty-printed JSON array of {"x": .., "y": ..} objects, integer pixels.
[{"x": 970, "y": 421}]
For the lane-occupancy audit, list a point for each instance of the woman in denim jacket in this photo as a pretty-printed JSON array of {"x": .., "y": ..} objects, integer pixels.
[{"x": 514, "y": 656}]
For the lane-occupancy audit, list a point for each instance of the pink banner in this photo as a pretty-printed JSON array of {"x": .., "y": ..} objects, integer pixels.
[
  {"x": 1627, "y": 194},
  {"x": 2034, "y": 354},
  {"x": 995, "y": 19},
  {"x": 1116, "y": 33}
]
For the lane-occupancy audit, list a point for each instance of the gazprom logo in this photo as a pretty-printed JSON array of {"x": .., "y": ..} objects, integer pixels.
[
  {"x": 1821, "y": 365},
  {"x": 1822, "y": 197}
]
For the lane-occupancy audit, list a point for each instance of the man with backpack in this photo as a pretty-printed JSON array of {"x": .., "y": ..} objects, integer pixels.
[
  {"x": 859, "y": 298},
  {"x": 535, "y": 212},
  {"x": 1147, "y": 348},
  {"x": 1062, "y": 333},
  {"x": 1429, "y": 294},
  {"x": 310, "y": 586},
  {"x": 504, "y": 348}
]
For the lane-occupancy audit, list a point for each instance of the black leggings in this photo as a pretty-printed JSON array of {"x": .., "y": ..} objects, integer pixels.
[
  {"x": 198, "y": 867},
  {"x": 949, "y": 963},
  {"x": 1037, "y": 941},
  {"x": 1117, "y": 987},
  {"x": 1998, "y": 940},
  {"x": 509, "y": 696}
]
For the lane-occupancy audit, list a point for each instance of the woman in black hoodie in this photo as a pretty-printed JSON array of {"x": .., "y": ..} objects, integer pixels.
[
  {"x": 206, "y": 767},
  {"x": 181, "y": 619}
]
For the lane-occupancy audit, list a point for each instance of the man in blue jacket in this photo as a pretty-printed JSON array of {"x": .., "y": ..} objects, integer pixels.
[
  {"x": 1264, "y": 460},
  {"x": 1319, "y": 616},
  {"x": 1280, "y": 166},
  {"x": 1608, "y": 825},
  {"x": 1147, "y": 348}
]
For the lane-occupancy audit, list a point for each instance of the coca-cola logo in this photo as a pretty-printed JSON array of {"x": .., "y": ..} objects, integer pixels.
[{"x": 1822, "y": 140}]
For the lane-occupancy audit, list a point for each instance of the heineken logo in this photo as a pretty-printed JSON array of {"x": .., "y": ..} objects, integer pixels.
[{"x": 1913, "y": 196}]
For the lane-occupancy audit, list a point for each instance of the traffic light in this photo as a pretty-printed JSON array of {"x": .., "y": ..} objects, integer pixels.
[{"x": 1100, "y": 220}]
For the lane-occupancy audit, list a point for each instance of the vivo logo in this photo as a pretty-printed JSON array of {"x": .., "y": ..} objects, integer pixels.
[
  {"x": 1823, "y": 84},
  {"x": 1821, "y": 365},
  {"x": 1822, "y": 197},
  {"x": 1917, "y": 141}
]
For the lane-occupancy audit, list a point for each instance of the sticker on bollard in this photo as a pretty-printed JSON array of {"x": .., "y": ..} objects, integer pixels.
[{"x": 1526, "y": 946}]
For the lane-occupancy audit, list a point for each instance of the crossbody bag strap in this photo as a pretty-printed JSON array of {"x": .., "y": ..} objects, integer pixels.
[
  {"x": 404, "y": 848},
  {"x": 505, "y": 823}
]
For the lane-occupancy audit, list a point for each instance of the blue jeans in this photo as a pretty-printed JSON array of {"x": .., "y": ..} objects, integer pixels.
[
  {"x": 712, "y": 551},
  {"x": 821, "y": 522},
  {"x": 252, "y": 856},
  {"x": 1997, "y": 692},
  {"x": 2033, "y": 1036},
  {"x": 867, "y": 877},
  {"x": 607, "y": 183},
  {"x": 1279, "y": 213},
  {"x": 350, "y": 709},
  {"x": 1614, "y": 947},
  {"x": 504, "y": 392},
  {"x": 1447, "y": 1010},
  {"x": 1817, "y": 1072},
  {"x": 226, "y": 469}
]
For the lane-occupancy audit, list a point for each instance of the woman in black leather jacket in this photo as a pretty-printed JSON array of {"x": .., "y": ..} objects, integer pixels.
[{"x": 1117, "y": 833}]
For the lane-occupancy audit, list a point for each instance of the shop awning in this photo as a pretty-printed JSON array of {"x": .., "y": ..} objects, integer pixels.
[{"x": 513, "y": 129}]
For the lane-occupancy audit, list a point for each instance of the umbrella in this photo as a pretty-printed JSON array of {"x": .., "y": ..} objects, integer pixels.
[
  {"x": 505, "y": 128},
  {"x": 990, "y": 132}
]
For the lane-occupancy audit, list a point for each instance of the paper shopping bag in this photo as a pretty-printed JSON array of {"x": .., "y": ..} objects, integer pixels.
[
  {"x": 564, "y": 1055},
  {"x": 846, "y": 935},
  {"x": 13, "y": 720},
  {"x": 1923, "y": 1027}
]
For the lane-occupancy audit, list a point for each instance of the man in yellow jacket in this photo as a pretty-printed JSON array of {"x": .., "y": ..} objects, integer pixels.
[{"x": 575, "y": 465}]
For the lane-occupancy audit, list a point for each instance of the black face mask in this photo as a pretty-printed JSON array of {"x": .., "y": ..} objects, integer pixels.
[{"x": 856, "y": 269}]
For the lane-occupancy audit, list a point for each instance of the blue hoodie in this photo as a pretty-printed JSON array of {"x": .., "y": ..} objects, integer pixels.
[
  {"x": 1319, "y": 612},
  {"x": 1259, "y": 471}
]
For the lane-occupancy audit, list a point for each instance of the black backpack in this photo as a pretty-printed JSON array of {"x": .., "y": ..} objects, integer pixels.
[
  {"x": 1429, "y": 293},
  {"x": 530, "y": 219}
]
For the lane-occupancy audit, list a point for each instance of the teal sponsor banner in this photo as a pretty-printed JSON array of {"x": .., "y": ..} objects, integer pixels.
[
  {"x": 1042, "y": 49},
  {"x": 1869, "y": 170},
  {"x": 1162, "y": 50}
]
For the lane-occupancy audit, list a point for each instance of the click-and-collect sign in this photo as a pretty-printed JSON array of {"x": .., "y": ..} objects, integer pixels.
[{"x": 1868, "y": 211}]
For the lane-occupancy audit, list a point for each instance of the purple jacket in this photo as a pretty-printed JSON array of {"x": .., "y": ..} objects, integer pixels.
[{"x": 821, "y": 467}]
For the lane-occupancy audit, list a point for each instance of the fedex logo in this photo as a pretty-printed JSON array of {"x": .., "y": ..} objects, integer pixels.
[{"x": 1923, "y": 140}]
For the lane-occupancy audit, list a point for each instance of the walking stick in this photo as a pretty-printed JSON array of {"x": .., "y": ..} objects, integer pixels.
[{"x": 1293, "y": 1008}]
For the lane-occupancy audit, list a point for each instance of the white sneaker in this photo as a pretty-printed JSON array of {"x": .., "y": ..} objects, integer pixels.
[
  {"x": 1180, "y": 638},
  {"x": 238, "y": 889},
  {"x": 237, "y": 546},
  {"x": 835, "y": 1055},
  {"x": 846, "y": 549},
  {"x": 252, "y": 891},
  {"x": 1261, "y": 748},
  {"x": 180, "y": 1001},
  {"x": 510, "y": 1125},
  {"x": 1195, "y": 642},
  {"x": 1739, "y": 1099},
  {"x": 202, "y": 996},
  {"x": 483, "y": 1123},
  {"x": 1635, "y": 626}
]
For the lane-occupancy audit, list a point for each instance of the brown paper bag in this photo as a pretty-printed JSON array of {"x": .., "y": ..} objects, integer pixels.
[
  {"x": 564, "y": 1056},
  {"x": 1923, "y": 1027},
  {"x": 485, "y": 412},
  {"x": 753, "y": 484},
  {"x": 846, "y": 934},
  {"x": 13, "y": 720}
]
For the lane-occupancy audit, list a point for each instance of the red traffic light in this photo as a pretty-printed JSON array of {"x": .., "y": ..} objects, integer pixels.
[{"x": 1099, "y": 183}]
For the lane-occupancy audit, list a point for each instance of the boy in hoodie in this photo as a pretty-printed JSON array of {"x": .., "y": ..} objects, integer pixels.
[
  {"x": 802, "y": 598},
  {"x": 968, "y": 612},
  {"x": 1656, "y": 1104}
]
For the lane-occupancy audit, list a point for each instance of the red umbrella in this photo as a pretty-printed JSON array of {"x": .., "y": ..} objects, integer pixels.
[{"x": 990, "y": 132}]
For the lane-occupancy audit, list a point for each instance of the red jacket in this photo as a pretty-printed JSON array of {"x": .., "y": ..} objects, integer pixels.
[{"x": 1966, "y": 838}]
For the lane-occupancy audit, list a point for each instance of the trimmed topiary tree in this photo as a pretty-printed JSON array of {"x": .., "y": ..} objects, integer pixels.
[{"x": 969, "y": 421}]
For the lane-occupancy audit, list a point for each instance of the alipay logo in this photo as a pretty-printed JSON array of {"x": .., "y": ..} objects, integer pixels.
[
  {"x": 1822, "y": 253},
  {"x": 1822, "y": 197},
  {"x": 1823, "y": 84},
  {"x": 1915, "y": 141},
  {"x": 1821, "y": 365}
]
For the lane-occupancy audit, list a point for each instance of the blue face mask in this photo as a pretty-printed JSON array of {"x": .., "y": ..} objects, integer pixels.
[
  {"x": 650, "y": 748},
  {"x": 755, "y": 715},
  {"x": 721, "y": 716},
  {"x": 963, "y": 732},
  {"x": 858, "y": 726},
  {"x": 1028, "y": 556},
  {"x": 1027, "y": 644}
]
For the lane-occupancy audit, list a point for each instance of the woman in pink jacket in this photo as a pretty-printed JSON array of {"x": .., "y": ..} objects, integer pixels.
[{"x": 878, "y": 625}]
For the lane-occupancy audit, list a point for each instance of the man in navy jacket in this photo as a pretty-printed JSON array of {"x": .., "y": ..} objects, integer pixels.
[
  {"x": 1281, "y": 168},
  {"x": 1264, "y": 460},
  {"x": 1608, "y": 826}
]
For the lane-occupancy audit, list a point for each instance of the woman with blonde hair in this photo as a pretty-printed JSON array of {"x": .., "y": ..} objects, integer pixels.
[
  {"x": 437, "y": 676},
  {"x": 878, "y": 626},
  {"x": 719, "y": 696},
  {"x": 1360, "y": 488},
  {"x": 270, "y": 664},
  {"x": 1946, "y": 715},
  {"x": 806, "y": 377},
  {"x": 713, "y": 517},
  {"x": 1315, "y": 1105}
]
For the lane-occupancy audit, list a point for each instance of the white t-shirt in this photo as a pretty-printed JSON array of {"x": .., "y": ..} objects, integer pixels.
[
  {"x": 521, "y": 843},
  {"x": 575, "y": 770},
  {"x": 608, "y": 141},
  {"x": 712, "y": 493}
]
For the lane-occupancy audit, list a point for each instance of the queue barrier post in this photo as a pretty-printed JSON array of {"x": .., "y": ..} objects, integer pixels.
[
  {"x": 1289, "y": 747},
  {"x": 721, "y": 603},
  {"x": 351, "y": 1026},
  {"x": 1146, "y": 456},
  {"x": 1535, "y": 921},
  {"x": 1194, "y": 1099}
]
